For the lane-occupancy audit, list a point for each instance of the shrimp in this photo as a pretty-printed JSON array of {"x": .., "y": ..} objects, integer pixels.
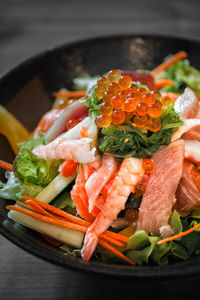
[
  {"x": 78, "y": 193},
  {"x": 127, "y": 177},
  {"x": 80, "y": 198},
  {"x": 98, "y": 179},
  {"x": 188, "y": 124},
  {"x": 77, "y": 150}
]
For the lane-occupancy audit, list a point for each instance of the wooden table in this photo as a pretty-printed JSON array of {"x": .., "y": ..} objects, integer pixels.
[{"x": 28, "y": 27}]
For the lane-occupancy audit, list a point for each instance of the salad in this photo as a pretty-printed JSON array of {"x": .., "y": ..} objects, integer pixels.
[{"x": 112, "y": 171}]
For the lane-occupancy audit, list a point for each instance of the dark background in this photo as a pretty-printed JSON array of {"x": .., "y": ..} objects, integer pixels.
[{"x": 28, "y": 27}]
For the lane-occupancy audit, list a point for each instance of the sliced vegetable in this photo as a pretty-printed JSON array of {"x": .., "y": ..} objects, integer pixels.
[
  {"x": 34, "y": 170},
  {"x": 71, "y": 237},
  {"x": 13, "y": 130},
  {"x": 164, "y": 82},
  {"x": 115, "y": 251},
  {"x": 6, "y": 165},
  {"x": 54, "y": 188},
  {"x": 70, "y": 94},
  {"x": 11, "y": 188},
  {"x": 166, "y": 64}
]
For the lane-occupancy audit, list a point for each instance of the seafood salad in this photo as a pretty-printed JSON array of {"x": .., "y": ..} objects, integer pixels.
[{"x": 112, "y": 171}]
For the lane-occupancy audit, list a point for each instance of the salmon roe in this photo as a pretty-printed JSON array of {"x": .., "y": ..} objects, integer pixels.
[
  {"x": 140, "y": 189},
  {"x": 120, "y": 99},
  {"x": 131, "y": 215},
  {"x": 148, "y": 165},
  {"x": 118, "y": 117},
  {"x": 153, "y": 124}
]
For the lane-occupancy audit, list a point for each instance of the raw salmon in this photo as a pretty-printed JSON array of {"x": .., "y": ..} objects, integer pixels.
[
  {"x": 188, "y": 195},
  {"x": 159, "y": 197}
]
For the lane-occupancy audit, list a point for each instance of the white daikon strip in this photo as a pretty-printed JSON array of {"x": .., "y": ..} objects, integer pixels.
[{"x": 67, "y": 236}]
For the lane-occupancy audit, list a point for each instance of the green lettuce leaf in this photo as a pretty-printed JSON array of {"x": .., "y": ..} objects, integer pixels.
[
  {"x": 140, "y": 247},
  {"x": 11, "y": 188},
  {"x": 34, "y": 170},
  {"x": 32, "y": 143},
  {"x": 184, "y": 75}
]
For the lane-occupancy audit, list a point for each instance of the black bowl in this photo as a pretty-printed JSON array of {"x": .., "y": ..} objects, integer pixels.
[{"x": 26, "y": 92}]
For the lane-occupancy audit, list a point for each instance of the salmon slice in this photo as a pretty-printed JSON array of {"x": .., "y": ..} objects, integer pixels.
[
  {"x": 159, "y": 197},
  {"x": 192, "y": 134},
  {"x": 187, "y": 104},
  {"x": 188, "y": 195},
  {"x": 187, "y": 125},
  {"x": 99, "y": 178}
]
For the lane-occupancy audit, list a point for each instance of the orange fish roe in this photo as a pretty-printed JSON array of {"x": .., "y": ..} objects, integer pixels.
[
  {"x": 105, "y": 108},
  {"x": 131, "y": 215},
  {"x": 121, "y": 100},
  {"x": 103, "y": 121},
  {"x": 114, "y": 75},
  {"x": 117, "y": 102},
  {"x": 118, "y": 117},
  {"x": 125, "y": 82},
  {"x": 166, "y": 101},
  {"x": 108, "y": 96},
  {"x": 148, "y": 165},
  {"x": 140, "y": 121},
  {"x": 153, "y": 124},
  {"x": 140, "y": 189}
]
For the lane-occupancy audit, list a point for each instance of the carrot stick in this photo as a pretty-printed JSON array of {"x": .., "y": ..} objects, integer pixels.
[
  {"x": 115, "y": 251},
  {"x": 23, "y": 204},
  {"x": 164, "y": 82},
  {"x": 176, "y": 236},
  {"x": 58, "y": 211},
  {"x": 166, "y": 64},
  {"x": 74, "y": 219},
  {"x": 6, "y": 165},
  {"x": 49, "y": 220},
  {"x": 70, "y": 94},
  {"x": 39, "y": 209},
  {"x": 60, "y": 222}
]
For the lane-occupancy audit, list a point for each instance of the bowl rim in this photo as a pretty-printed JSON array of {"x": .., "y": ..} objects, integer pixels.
[{"x": 180, "y": 269}]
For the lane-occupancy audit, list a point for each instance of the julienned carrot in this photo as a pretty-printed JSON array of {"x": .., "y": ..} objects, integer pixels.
[
  {"x": 6, "y": 165},
  {"x": 23, "y": 204},
  {"x": 176, "y": 236},
  {"x": 40, "y": 209},
  {"x": 115, "y": 251},
  {"x": 49, "y": 220},
  {"x": 164, "y": 82},
  {"x": 58, "y": 221},
  {"x": 75, "y": 219},
  {"x": 70, "y": 94},
  {"x": 166, "y": 64},
  {"x": 58, "y": 211}
]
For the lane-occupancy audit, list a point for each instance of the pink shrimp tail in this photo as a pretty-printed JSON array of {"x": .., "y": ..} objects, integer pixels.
[{"x": 90, "y": 243}]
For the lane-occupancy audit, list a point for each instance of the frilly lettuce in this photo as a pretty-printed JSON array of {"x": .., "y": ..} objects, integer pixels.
[
  {"x": 184, "y": 75},
  {"x": 34, "y": 170},
  {"x": 11, "y": 188}
]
